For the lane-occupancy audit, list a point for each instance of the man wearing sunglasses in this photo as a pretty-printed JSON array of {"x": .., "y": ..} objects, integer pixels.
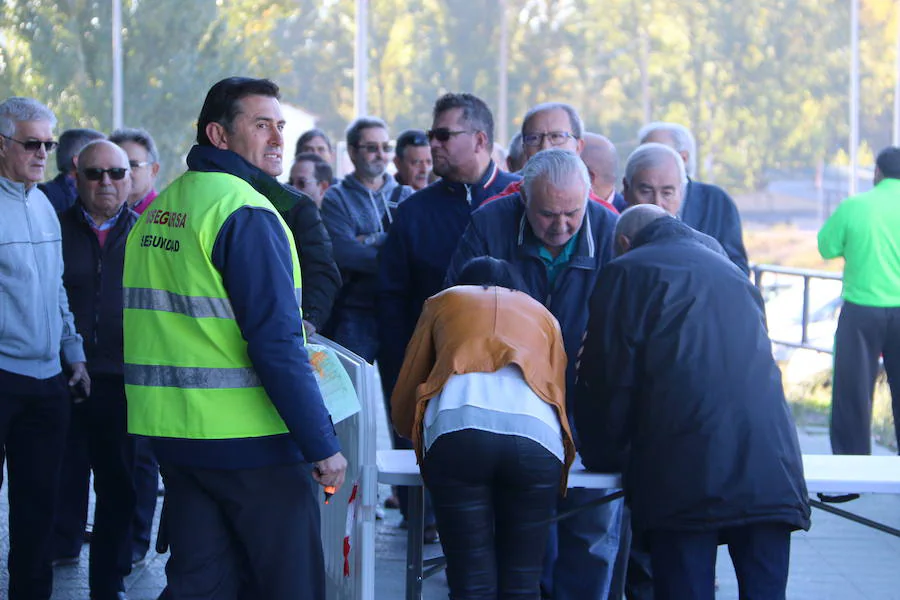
[
  {"x": 94, "y": 232},
  {"x": 358, "y": 213},
  {"x": 36, "y": 331},
  {"x": 61, "y": 190}
]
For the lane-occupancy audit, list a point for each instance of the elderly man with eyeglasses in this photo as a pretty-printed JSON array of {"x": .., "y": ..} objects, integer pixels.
[
  {"x": 552, "y": 125},
  {"x": 36, "y": 331}
]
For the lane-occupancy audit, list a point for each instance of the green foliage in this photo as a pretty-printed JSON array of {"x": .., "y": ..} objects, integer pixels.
[{"x": 762, "y": 84}]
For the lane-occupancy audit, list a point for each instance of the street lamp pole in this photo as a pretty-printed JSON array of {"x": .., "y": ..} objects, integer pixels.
[
  {"x": 360, "y": 59},
  {"x": 854, "y": 93},
  {"x": 117, "y": 100}
]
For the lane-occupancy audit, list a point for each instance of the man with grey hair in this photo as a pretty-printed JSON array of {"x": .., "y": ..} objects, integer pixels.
[
  {"x": 61, "y": 189},
  {"x": 552, "y": 125},
  {"x": 696, "y": 421},
  {"x": 602, "y": 161},
  {"x": 559, "y": 241},
  {"x": 36, "y": 330},
  {"x": 143, "y": 162},
  {"x": 705, "y": 207}
]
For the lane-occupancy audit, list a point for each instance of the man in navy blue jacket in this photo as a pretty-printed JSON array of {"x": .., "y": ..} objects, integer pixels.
[
  {"x": 706, "y": 207},
  {"x": 559, "y": 241},
  {"x": 94, "y": 231},
  {"x": 428, "y": 225}
]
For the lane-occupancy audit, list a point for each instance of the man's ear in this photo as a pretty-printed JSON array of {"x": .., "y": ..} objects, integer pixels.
[
  {"x": 217, "y": 135},
  {"x": 481, "y": 141},
  {"x": 685, "y": 157},
  {"x": 623, "y": 244},
  {"x": 154, "y": 169}
]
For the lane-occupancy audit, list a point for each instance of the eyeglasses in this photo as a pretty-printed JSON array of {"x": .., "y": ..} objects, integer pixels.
[
  {"x": 137, "y": 165},
  {"x": 443, "y": 134},
  {"x": 95, "y": 174},
  {"x": 386, "y": 147},
  {"x": 35, "y": 145},
  {"x": 557, "y": 138},
  {"x": 300, "y": 182}
]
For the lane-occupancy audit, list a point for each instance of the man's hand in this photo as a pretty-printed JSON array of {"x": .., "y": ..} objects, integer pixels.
[
  {"x": 80, "y": 373},
  {"x": 331, "y": 471}
]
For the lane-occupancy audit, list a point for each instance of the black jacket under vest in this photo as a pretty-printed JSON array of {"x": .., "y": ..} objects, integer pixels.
[{"x": 93, "y": 281}]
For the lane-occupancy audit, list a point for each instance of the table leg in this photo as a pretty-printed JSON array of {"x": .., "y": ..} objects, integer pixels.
[{"x": 415, "y": 534}]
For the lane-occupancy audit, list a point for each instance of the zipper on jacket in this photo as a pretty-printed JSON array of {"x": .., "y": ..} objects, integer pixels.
[
  {"x": 375, "y": 208},
  {"x": 468, "y": 193},
  {"x": 49, "y": 350}
]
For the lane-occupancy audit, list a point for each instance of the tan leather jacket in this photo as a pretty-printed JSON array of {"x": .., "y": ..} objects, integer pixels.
[{"x": 471, "y": 329}]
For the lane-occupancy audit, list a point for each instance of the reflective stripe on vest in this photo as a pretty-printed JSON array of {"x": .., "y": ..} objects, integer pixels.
[{"x": 187, "y": 372}]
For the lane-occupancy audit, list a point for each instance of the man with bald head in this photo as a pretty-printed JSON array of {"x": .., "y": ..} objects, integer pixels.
[
  {"x": 678, "y": 390},
  {"x": 559, "y": 241},
  {"x": 705, "y": 207},
  {"x": 602, "y": 161},
  {"x": 552, "y": 125},
  {"x": 655, "y": 174},
  {"x": 94, "y": 231}
]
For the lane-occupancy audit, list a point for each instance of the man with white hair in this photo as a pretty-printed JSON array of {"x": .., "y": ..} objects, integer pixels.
[
  {"x": 655, "y": 174},
  {"x": 36, "y": 329},
  {"x": 559, "y": 241},
  {"x": 696, "y": 421},
  {"x": 705, "y": 207}
]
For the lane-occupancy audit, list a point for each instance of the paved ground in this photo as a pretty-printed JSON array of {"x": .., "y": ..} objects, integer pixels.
[{"x": 837, "y": 559}]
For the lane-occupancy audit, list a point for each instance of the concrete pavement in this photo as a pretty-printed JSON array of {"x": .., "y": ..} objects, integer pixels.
[{"x": 837, "y": 559}]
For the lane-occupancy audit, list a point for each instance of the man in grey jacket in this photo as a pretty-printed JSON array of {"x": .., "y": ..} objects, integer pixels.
[
  {"x": 36, "y": 326},
  {"x": 358, "y": 212}
]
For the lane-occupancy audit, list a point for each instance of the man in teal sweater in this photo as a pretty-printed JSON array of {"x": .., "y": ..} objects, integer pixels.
[{"x": 865, "y": 231}]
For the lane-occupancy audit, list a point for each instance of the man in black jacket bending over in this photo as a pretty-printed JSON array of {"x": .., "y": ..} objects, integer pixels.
[{"x": 679, "y": 391}]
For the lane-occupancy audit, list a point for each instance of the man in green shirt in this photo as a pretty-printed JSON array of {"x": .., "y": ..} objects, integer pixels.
[{"x": 865, "y": 231}]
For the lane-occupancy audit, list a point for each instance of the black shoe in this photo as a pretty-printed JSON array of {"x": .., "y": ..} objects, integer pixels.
[
  {"x": 65, "y": 561},
  {"x": 837, "y": 498},
  {"x": 430, "y": 535}
]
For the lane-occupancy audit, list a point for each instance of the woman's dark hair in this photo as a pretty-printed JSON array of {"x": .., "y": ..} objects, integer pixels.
[{"x": 488, "y": 271}]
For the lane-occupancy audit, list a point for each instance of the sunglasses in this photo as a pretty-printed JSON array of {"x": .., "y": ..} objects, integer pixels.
[
  {"x": 35, "y": 145},
  {"x": 95, "y": 174},
  {"x": 386, "y": 147},
  {"x": 443, "y": 134}
]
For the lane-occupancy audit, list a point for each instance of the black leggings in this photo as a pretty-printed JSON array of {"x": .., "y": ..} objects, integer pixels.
[{"x": 492, "y": 494}]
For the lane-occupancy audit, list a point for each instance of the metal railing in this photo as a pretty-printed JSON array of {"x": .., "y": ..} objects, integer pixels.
[{"x": 807, "y": 275}]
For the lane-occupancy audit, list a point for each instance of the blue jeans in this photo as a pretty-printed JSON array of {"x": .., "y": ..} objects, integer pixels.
[
  {"x": 493, "y": 495},
  {"x": 587, "y": 545},
  {"x": 684, "y": 562}
]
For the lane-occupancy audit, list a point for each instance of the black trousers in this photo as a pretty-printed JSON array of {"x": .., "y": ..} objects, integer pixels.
[
  {"x": 492, "y": 496},
  {"x": 33, "y": 421},
  {"x": 684, "y": 562},
  {"x": 231, "y": 531},
  {"x": 146, "y": 486},
  {"x": 863, "y": 334}
]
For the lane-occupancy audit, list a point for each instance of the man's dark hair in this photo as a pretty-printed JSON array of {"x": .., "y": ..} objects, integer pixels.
[
  {"x": 138, "y": 136},
  {"x": 410, "y": 137},
  {"x": 322, "y": 170},
  {"x": 222, "y": 104},
  {"x": 354, "y": 132},
  {"x": 474, "y": 111},
  {"x": 488, "y": 271},
  {"x": 310, "y": 135},
  {"x": 70, "y": 144},
  {"x": 888, "y": 162}
]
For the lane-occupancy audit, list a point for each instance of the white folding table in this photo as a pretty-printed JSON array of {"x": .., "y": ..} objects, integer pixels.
[{"x": 824, "y": 473}]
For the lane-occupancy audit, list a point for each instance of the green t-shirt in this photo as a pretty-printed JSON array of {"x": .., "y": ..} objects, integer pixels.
[
  {"x": 556, "y": 265},
  {"x": 865, "y": 231}
]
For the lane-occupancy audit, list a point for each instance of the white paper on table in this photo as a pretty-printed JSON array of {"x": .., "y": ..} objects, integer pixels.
[{"x": 334, "y": 383}]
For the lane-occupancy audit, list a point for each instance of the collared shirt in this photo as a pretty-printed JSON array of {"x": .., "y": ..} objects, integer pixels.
[
  {"x": 141, "y": 205},
  {"x": 101, "y": 230},
  {"x": 556, "y": 265}
]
